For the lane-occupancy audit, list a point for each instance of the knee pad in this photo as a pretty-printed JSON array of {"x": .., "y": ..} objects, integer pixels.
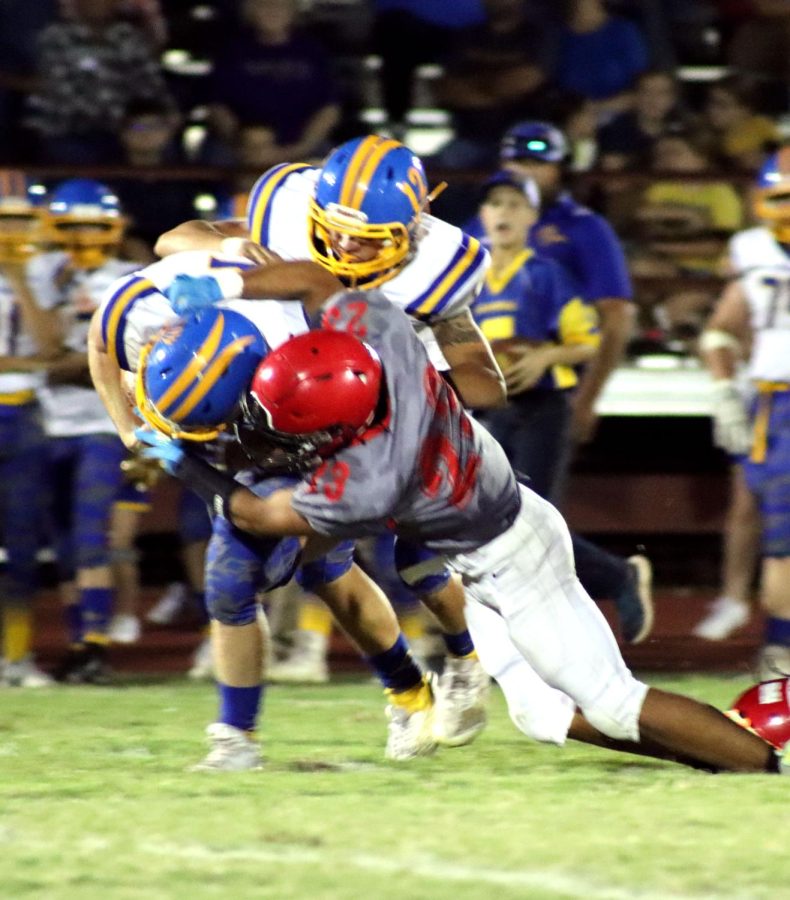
[
  {"x": 124, "y": 555},
  {"x": 421, "y": 570},
  {"x": 230, "y": 608},
  {"x": 616, "y": 711},
  {"x": 327, "y": 568}
]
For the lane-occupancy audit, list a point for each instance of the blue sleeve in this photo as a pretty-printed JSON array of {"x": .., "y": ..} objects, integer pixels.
[
  {"x": 600, "y": 265},
  {"x": 550, "y": 289}
]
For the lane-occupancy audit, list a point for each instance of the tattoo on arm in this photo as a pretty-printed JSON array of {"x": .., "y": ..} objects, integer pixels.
[{"x": 460, "y": 329}]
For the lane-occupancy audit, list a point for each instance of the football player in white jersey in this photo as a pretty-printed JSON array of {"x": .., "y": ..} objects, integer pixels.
[
  {"x": 389, "y": 448},
  {"x": 125, "y": 337},
  {"x": 754, "y": 310},
  {"x": 363, "y": 216},
  {"x": 28, "y": 342},
  {"x": 85, "y": 224}
]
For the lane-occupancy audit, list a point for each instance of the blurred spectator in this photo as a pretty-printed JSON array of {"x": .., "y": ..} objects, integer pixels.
[
  {"x": 495, "y": 77},
  {"x": 744, "y": 134},
  {"x": 627, "y": 141},
  {"x": 147, "y": 14},
  {"x": 90, "y": 68},
  {"x": 407, "y": 33},
  {"x": 599, "y": 55},
  {"x": 20, "y": 22},
  {"x": 151, "y": 138},
  {"x": 760, "y": 44},
  {"x": 273, "y": 89},
  {"x": 685, "y": 220}
]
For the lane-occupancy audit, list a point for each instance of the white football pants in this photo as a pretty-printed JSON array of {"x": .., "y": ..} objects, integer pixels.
[{"x": 540, "y": 636}]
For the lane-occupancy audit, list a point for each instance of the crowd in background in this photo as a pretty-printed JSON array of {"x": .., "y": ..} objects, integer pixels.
[{"x": 668, "y": 109}]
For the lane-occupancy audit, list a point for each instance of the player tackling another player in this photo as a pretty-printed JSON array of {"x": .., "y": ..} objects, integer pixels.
[{"x": 385, "y": 445}]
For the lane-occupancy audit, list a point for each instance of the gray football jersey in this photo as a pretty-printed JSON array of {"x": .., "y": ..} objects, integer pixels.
[{"x": 427, "y": 471}]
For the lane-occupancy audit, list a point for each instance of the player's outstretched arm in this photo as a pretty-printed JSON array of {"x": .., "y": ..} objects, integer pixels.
[
  {"x": 197, "y": 234},
  {"x": 474, "y": 370},
  {"x": 107, "y": 378}
]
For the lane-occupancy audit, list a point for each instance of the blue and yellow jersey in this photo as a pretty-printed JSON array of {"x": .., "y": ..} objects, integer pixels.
[
  {"x": 438, "y": 282},
  {"x": 533, "y": 299},
  {"x": 583, "y": 243}
]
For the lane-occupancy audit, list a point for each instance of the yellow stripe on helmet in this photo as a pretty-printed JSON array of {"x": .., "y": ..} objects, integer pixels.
[
  {"x": 210, "y": 377},
  {"x": 368, "y": 170},
  {"x": 354, "y": 167},
  {"x": 202, "y": 355}
]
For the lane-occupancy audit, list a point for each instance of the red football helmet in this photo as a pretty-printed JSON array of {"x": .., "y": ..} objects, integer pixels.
[
  {"x": 765, "y": 709},
  {"x": 314, "y": 394}
]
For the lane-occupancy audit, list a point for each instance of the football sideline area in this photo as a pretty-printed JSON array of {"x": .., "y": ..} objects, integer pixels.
[{"x": 96, "y": 800}]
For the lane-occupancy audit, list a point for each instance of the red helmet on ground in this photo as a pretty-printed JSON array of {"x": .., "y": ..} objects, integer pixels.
[
  {"x": 315, "y": 393},
  {"x": 765, "y": 709}
]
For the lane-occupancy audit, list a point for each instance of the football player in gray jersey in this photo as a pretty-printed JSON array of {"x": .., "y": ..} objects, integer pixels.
[{"x": 385, "y": 445}]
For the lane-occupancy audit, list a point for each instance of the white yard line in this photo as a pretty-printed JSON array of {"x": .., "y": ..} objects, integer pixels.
[{"x": 422, "y": 867}]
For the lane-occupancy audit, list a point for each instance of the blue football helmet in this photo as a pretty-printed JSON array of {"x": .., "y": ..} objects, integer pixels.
[
  {"x": 539, "y": 141},
  {"x": 191, "y": 377},
  {"x": 370, "y": 189},
  {"x": 21, "y": 215},
  {"x": 84, "y": 218},
  {"x": 772, "y": 194}
]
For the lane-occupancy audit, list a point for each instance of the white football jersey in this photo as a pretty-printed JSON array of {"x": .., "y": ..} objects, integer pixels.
[
  {"x": 440, "y": 281},
  {"x": 135, "y": 308},
  {"x": 69, "y": 409},
  {"x": 764, "y": 269},
  {"x": 14, "y": 341}
]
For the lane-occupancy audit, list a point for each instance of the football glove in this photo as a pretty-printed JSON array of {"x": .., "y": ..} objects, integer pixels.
[
  {"x": 140, "y": 472},
  {"x": 190, "y": 294},
  {"x": 732, "y": 430},
  {"x": 168, "y": 452}
]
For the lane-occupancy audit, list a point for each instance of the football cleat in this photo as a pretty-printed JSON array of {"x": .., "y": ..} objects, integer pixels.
[
  {"x": 202, "y": 667},
  {"x": 86, "y": 664},
  {"x": 232, "y": 750},
  {"x": 170, "y": 605},
  {"x": 25, "y": 674},
  {"x": 410, "y": 732},
  {"x": 305, "y": 664},
  {"x": 773, "y": 661},
  {"x": 724, "y": 617},
  {"x": 765, "y": 710},
  {"x": 461, "y": 699},
  {"x": 635, "y": 603},
  {"x": 124, "y": 629}
]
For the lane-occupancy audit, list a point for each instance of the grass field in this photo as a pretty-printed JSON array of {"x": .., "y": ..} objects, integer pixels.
[{"x": 95, "y": 802}]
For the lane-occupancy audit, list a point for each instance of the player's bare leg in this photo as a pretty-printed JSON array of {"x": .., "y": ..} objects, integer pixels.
[
  {"x": 679, "y": 728},
  {"x": 364, "y": 613}
]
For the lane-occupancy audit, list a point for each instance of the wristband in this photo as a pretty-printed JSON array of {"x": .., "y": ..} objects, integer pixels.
[
  {"x": 715, "y": 339},
  {"x": 230, "y": 282},
  {"x": 213, "y": 487},
  {"x": 233, "y": 246}
]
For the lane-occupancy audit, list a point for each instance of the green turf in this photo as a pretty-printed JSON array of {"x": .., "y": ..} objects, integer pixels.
[{"x": 96, "y": 802}]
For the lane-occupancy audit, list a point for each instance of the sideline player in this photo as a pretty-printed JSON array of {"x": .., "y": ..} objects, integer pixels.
[
  {"x": 85, "y": 223},
  {"x": 585, "y": 245},
  {"x": 358, "y": 412},
  {"x": 754, "y": 309},
  {"x": 133, "y": 312},
  {"x": 28, "y": 342}
]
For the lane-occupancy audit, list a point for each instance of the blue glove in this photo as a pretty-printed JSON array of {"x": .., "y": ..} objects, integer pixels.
[
  {"x": 190, "y": 294},
  {"x": 169, "y": 452}
]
